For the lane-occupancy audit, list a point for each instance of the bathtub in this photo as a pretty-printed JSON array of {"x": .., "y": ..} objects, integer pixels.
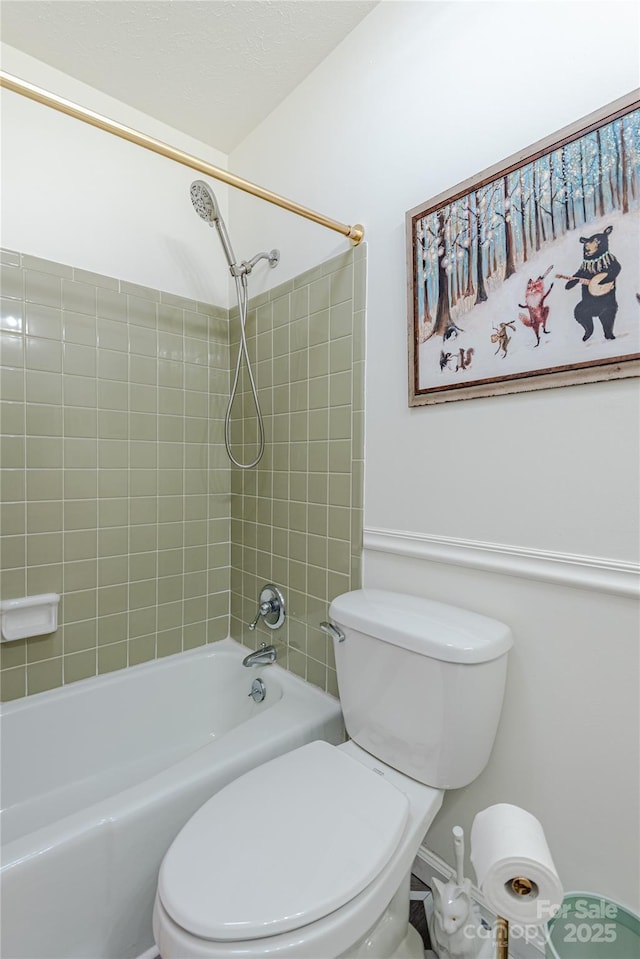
[{"x": 99, "y": 776}]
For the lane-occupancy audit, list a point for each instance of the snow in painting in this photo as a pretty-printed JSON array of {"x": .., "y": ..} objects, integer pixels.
[{"x": 535, "y": 271}]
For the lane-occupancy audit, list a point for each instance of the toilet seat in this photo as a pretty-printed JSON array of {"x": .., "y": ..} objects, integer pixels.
[{"x": 259, "y": 858}]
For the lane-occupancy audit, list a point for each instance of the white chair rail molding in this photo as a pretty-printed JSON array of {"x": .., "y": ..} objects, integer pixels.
[{"x": 565, "y": 569}]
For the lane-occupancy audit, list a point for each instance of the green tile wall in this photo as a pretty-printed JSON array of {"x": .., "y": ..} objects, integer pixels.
[
  {"x": 115, "y": 485},
  {"x": 296, "y": 520},
  {"x": 115, "y": 488}
]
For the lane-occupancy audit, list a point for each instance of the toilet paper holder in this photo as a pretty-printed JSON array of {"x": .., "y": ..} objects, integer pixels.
[
  {"x": 511, "y": 897},
  {"x": 519, "y": 886},
  {"x": 28, "y": 616}
]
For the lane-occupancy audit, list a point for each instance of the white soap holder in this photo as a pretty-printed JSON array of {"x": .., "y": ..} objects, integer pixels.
[{"x": 28, "y": 616}]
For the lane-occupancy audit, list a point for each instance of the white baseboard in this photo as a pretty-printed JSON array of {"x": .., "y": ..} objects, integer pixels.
[{"x": 426, "y": 865}]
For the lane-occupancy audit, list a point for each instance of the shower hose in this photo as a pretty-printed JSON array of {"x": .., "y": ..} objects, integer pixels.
[{"x": 242, "y": 294}]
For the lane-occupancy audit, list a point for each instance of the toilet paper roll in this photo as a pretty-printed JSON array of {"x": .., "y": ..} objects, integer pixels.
[{"x": 507, "y": 845}]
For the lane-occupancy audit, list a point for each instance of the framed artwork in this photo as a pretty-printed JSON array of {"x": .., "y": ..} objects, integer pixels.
[{"x": 528, "y": 276}]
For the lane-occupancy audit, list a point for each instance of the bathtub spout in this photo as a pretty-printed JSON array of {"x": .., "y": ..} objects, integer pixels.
[{"x": 261, "y": 657}]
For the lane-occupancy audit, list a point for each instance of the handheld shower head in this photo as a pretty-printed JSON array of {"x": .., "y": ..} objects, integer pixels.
[
  {"x": 206, "y": 206},
  {"x": 204, "y": 201}
]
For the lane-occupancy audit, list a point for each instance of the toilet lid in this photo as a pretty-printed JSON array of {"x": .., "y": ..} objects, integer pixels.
[{"x": 285, "y": 844}]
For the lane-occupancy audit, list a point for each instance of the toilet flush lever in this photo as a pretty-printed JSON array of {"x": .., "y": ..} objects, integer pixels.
[{"x": 333, "y": 631}]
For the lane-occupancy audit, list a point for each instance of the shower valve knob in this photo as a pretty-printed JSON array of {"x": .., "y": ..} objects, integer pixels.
[
  {"x": 263, "y": 609},
  {"x": 271, "y": 608}
]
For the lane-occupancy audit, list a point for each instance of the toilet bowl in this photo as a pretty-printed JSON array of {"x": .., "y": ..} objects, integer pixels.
[
  {"x": 336, "y": 889},
  {"x": 308, "y": 856}
]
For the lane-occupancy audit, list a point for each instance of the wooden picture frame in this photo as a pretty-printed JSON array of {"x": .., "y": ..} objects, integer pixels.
[{"x": 527, "y": 276}]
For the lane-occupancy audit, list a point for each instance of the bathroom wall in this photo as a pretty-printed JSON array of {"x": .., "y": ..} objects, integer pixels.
[
  {"x": 111, "y": 207},
  {"x": 74, "y": 194},
  {"x": 115, "y": 486},
  {"x": 111, "y": 491},
  {"x": 296, "y": 520},
  {"x": 115, "y": 482},
  {"x": 499, "y": 491}
]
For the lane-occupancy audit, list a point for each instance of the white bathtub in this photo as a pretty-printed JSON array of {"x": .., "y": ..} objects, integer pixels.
[{"x": 99, "y": 776}]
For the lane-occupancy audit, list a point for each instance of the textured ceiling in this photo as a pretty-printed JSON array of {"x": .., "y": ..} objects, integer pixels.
[{"x": 211, "y": 68}]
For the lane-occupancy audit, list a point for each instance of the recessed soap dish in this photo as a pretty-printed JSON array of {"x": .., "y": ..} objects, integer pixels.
[{"x": 28, "y": 616}]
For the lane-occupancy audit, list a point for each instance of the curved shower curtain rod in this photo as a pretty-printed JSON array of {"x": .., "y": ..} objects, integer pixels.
[{"x": 16, "y": 85}]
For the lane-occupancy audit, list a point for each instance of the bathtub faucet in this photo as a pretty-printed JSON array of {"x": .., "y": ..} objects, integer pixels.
[{"x": 261, "y": 657}]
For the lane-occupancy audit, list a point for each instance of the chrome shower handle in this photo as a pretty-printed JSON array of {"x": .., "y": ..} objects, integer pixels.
[
  {"x": 263, "y": 610},
  {"x": 271, "y": 608}
]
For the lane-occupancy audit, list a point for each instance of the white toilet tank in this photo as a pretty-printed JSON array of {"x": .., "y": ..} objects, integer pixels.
[{"x": 421, "y": 683}]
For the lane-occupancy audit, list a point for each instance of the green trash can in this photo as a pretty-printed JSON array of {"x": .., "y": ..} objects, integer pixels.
[{"x": 589, "y": 926}]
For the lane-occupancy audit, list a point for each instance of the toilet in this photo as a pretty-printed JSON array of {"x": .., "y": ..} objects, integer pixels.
[{"x": 309, "y": 855}]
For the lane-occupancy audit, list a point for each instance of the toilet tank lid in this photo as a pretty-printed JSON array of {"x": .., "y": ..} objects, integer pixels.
[{"x": 423, "y": 626}]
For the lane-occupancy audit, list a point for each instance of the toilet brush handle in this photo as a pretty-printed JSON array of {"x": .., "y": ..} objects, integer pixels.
[{"x": 458, "y": 842}]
